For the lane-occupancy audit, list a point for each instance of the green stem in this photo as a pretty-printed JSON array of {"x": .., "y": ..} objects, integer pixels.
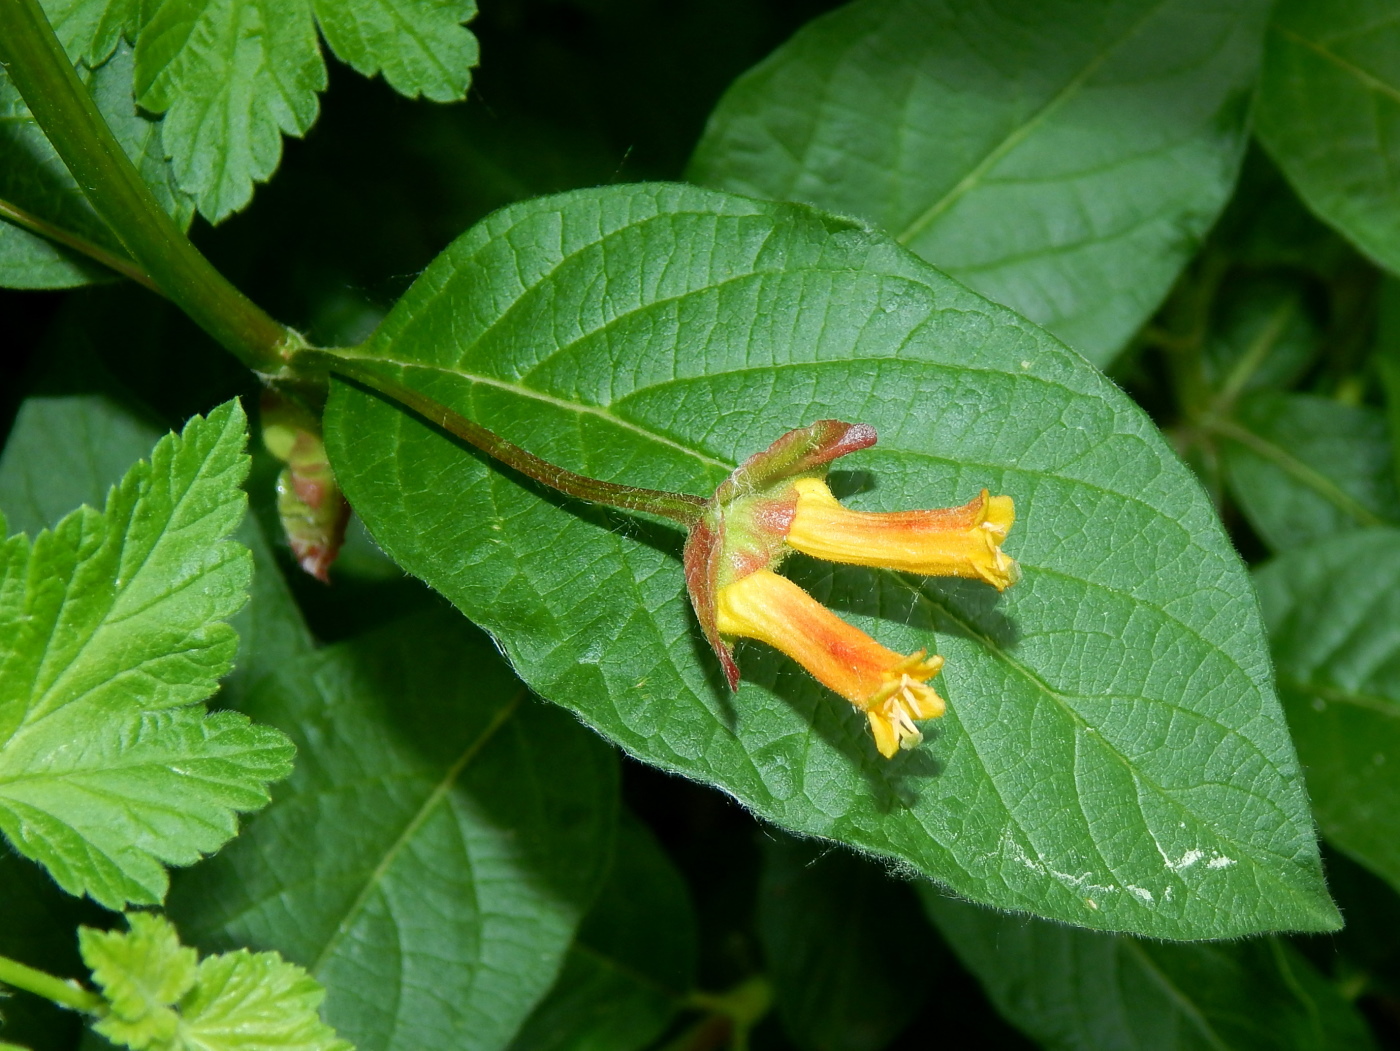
[
  {"x": 36, "y": 62},
  {"x": 31, "y": 222},
  {"x": 678, "y": 507},
  {"x": 65, "y": 993}
]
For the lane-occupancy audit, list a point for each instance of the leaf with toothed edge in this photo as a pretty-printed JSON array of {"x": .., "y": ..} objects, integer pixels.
[{"x": 1114, "y": 755}]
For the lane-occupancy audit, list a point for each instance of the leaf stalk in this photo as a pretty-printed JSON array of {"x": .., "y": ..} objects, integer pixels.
[
  {"x": 682, "y": 508},
  {"x": 41, "y": 70},
  {"x": 61, "y": 991}
]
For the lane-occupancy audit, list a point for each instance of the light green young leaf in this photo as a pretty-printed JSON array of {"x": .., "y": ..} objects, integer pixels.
[
  {"x": 32, "y": 177},
  {"x": 1074, "y": 990},
  {"x": 1113, "y": 755},
  {"x": 437, "y": 848},
  {"x": 111, "y": 629},
  {"x": 1303, "y": 467},
  {"x": 629, "y": 970},
  {"x": 232, "y": 76},
  {"x": 161, "y": 1001},
  {"x": 1333, "y": 611},
  {"x": 1062, "y": 158},
  {"x": 1329, "y": 98},
  {"x": 143, "y": 973}
]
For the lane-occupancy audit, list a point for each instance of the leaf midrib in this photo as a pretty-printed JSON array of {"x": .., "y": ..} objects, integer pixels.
[
  {"x": 1022, "y": 131},
  {"x": 420, "y": 816},
  {"x": 1367, "y": 78},
  {"x": 991, "y": 647}
]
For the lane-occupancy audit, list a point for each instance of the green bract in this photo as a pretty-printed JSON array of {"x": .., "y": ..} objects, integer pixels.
[{"x": 1113, "y": 756}]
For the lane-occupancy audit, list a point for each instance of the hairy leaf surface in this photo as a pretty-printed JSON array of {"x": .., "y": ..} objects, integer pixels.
[
  {"x": 1329, "y": 100},
  {"x": 111, "y": 629},
  {"x": 430, "y": 858},
  {"x": 33, "y": 178},
  {"x": 1114, "y": 754},
  {"x": 1333, "y": 611},
  {"x": 233, "y": 76},
  {"x": 1075, "y": 990},
  {"x": 1062, "y": 158}
]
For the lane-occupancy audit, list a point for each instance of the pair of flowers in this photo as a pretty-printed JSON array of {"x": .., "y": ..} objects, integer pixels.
[{"x": 778, "y": 502}]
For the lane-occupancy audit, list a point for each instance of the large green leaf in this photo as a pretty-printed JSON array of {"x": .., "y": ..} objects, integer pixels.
[
  {"x": 435, "y": 849},
  {"x": 1062, "y": 158},
  {"x": 633, "y": 962},
  {"x": 1085, "y": 991},
  {"x": 845, "y": 945},
  {"x": 112, "y": 627},
  {"x": 1329, "y": 102},
  {"x": 1305, "y": 467},
  {"x": 1114, "y": 754},
  {"x": 1333, "y": 611},
  {"x": 33, "y": 177},
  {"x": 233, "y": 76}
]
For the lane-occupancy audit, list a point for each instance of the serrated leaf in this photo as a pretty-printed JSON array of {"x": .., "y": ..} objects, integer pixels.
[
  {"x": 143, "y": 972},
  {"x": 421, "y": 46},
  {"x": 111, "y": 629},
  {"x": 233, "y": 76},
  {"x": 1303, "y": 467},
  {"x": 846, "y": 945},
  {"x": 161, "y": 1000},
  {"x": 1074, "y": 990},
  {"x": 33, "y": 177},
  {"x": 1333, "y": 611},
  {"x": 1112, "y": 724},
  {"x": 633, "y": 962},
  {"x": 90, "y": 29},
  {"x": 1328, "y": 97},
  {"x": 437, "y": 846},
  {"x": 1063, "y": 159}
]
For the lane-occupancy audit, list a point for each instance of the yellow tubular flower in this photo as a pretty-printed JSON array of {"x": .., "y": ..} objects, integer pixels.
[
  {"x": 889, "y": 688},
  {"x": 951, "y": 542}
]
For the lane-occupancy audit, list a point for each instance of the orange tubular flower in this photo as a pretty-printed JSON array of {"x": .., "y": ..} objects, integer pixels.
[
  {"x": 775, "y": 503},
  {"x": 889, "y": 688},
  {"x": 951, "y": 542}
]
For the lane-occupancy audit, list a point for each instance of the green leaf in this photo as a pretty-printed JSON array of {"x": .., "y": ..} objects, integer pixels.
[
  {"x": 1329, "y": 94},
  {"x": 143, "y": 972},
  {"x": 161, "y": 1000},
  {"x": 111, "y": 629},
  {"x": 1061, "y": 158},
  {"x": 633, "y": 962},
  {"x": 1303, "y": 467},
  {"x": 1262, "y": 336},
  {"x": 233, "y": 76},
  {"x": 1072, "y": 990},
  {"x": 33, "y": 177},
  {"x": 90, "y": 29},
  {"x": 431, "y": 857},
  {"x": 420, "y": 45},
  {"x": 1114, "y": 754},
  {"x": 1333, "y": 611},
  {"x": 846, "y": 944}
]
